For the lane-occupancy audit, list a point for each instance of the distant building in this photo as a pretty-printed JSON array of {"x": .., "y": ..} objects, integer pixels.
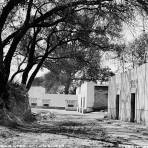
[
  {"x": 92, "y": 97},
  {"x": 39, "y": 98}
]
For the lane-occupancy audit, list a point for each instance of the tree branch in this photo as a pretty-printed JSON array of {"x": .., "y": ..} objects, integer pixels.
[
  {"x": 6, "y": 10},
  {"x": 19, "y": 70},
  {"x": 28, "y": 12}
]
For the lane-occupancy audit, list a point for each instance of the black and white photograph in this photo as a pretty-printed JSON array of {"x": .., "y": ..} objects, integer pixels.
[{"x": 73, "y": 73}]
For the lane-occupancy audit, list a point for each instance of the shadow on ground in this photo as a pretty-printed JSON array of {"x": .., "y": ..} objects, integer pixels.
[
  {"x": 75, "y": 130},
  {"x": 83, "y": 129}
]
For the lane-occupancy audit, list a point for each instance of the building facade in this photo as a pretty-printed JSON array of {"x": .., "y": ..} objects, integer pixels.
[
  {"x": 128, "y": 95},
  {"x": 91, "y": 97}
]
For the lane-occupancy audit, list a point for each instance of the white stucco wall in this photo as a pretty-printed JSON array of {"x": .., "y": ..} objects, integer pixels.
[
  {"x": 37, "y": 93},
  {"x": 90, "y": 94},
  {"x": 59, "y": 100},
  {"x": 86, "y": 96},
  {"x": 54, "y": 100},
  {"x": 78, "y": 93},
  {"x": 81, "y": 92}
]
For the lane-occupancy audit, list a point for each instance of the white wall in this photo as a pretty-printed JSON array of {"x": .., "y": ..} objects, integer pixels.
[
  {"x": 81, "y": 92},
  {"x": 78, "y": 93},
  {"x": 87, "y": 91},
  {"x": 59, "y": 100},
  {"x": 56, "y": 100},
  {"x": 38, "y": 93},
  {"x": 90, "y": 94},
  {"x": 85, "y": 95}
]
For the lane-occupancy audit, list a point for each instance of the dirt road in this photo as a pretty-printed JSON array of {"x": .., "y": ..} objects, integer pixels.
[{"x": 72, "y": 129}]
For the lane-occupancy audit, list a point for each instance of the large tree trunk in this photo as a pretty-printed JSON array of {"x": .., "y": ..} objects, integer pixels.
[
  {"x": 3, "y": 81},
  {"x": 3, "y": 89}
]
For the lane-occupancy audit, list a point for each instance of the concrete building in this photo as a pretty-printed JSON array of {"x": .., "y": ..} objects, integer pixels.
[
  {"x": 39, "y": 98},
  {"x": 128, "y": 95},
  {"x": 91, "y": 97}
]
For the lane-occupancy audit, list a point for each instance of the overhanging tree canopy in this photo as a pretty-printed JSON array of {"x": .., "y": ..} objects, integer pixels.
[{"x": 54, "y": 23}]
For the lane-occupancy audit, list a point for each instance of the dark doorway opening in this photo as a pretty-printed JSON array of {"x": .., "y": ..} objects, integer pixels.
[
  {"x": 117, "y": 107},
  {"x": 33, "y": 104},
  {"x": 132, "y": 107},
  {"x": 70, "y": 105},
  {"x": 46, "y": 105}
]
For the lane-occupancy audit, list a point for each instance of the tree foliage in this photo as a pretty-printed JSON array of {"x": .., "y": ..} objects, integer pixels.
[
  {"x": 35, "y": 29},
  {"x": 138, "y": 50},
  {"x": 134, "y": 53},
  {"x": 66, "y": 73}
]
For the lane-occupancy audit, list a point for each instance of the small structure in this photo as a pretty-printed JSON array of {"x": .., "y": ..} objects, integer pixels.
[
  {"x": 71, "y": 104},
  {"x": 128, "y": 95},
  {"x": 92, "y": 97},
  {"x": 39, "y": 98},
  {"x": 46, "y": 103}
]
